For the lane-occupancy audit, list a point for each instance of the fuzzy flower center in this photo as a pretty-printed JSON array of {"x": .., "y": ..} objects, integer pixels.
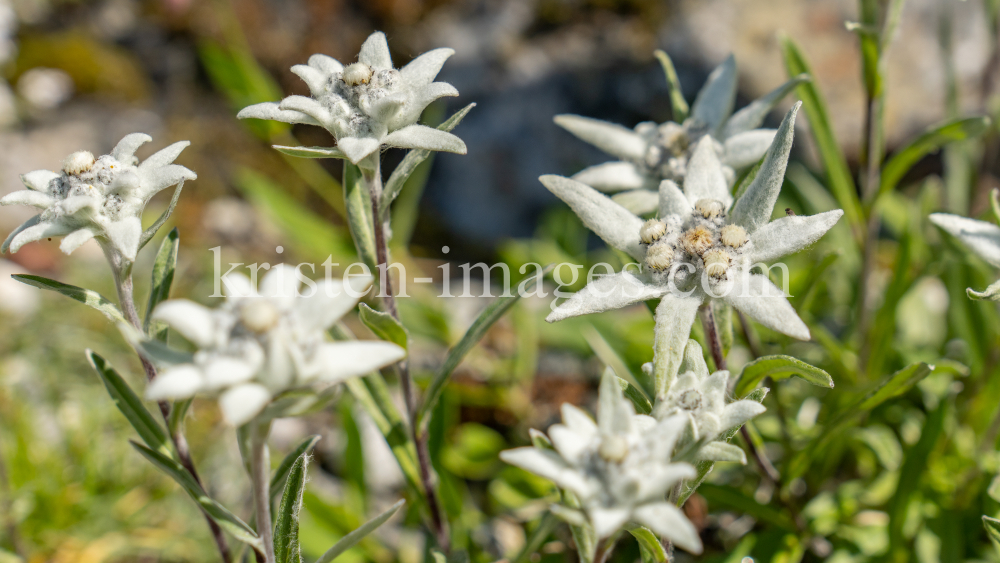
[
  {"x": 86, "y": 176},
  {"x": 690, "y": 400},
  {"x": 669, "y": 147},
  {"x": 355, "y": 94},
  {"x": 259, "y": 316},
  {"x": 702, "y": 239}
]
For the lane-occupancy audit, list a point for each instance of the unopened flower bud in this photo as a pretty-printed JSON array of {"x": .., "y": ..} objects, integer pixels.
[
  {"x": 357, "y": 73},
  {"x": 709, "y": 208},
  {"x": 659, "y": 257},
  {"x": 697, "y": 240},
  {"x": 613, "y": 449},
  {"x": 652, "y": 230},
  {"x": 259, "y": 316},
  {"x": 78, "y": 163},
  {"x": 734, "y": 236},
  {"x": 716, "y": 263}
]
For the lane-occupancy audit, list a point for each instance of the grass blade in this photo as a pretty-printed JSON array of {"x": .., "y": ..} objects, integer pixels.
[
  {"x": 678, "y": 104},
  {"x": 286, "y": 529},
  {"x": 131, "y": 406},
  {"x": 357, "y": 535},
  {"x": 932, "y": 140},
  {"x": 163, "y": 276},
  {"x": 85, "y": 296}
]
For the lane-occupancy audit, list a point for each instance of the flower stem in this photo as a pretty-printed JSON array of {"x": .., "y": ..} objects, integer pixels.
[
  {"x": 260, "y": 475},
  {"x": 126, "y": 300},
  {"x": 373, "y": 181}
]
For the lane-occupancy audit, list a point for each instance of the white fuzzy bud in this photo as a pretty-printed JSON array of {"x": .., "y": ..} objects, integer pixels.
[
  {"x": 659, "y": 257},
  {"x": 652, "y": 230},
  {"x": 697, "y": 240},
  {"x": 733, "y": 236},
  {"x": 716, "y": 263},
  {"x": 78, "y": 163},
  {"x": 709, "y": 208},
  {"x": 357, "y": 73},
  {"x": 259, "y": 315},
  {"x": 613, "y": 449}
]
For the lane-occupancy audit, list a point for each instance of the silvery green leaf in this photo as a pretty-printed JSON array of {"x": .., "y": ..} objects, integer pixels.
[
  {"x": 994, "y": 489},
  {"x": 745, "y": 149},
  {"x": 714, "y": 103},
  {"x": 311, "y": 152},
  {"x": 609, "y": 137},
  {"x": 639, "y": 202},
  {"x": 571, "y": 516},
  {"x": 791, "y": 234},
  {"x": 694, "y": 360},
  {"x": 85, "y": 296},
  {"x": 993, "y": 531},
  {"x": 286, "y": 527},
  {"x": 705, "y": 178},
  {"x": 753, "y": 210},
  {"x": 359, "y": 214},
  {"x": 384, "y": 325},
  {"x": 613, "y": 177},
  {"x": 605, "y": 293},
  {"x": 650, "y": 547},
  {"x": 722, "y": 451},
  {"x": 779, "y": 367},
  {"x": 357, "y": 535},
  {"x": 992, "y": 292},
  {"x": 130, "y": 405},
  {"x": 669, "y": 522},
  {"x": 674, "y": 318},
  {"x": 616, "y": 225},
  {"x": 281, "y": 474},
  {"x": 982, "y": 237},
  {"x": 148, "y": 234},
  {"x": 678, "y": 104},
  {"x": 758, "y": 298},
  {"x": 163, "y": 276},
  {"x": 751, "y": 116}
]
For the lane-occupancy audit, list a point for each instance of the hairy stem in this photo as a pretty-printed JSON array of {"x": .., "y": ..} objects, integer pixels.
[
  {"x": 260, "y": 476},
  {"x": 126, "y": 300},
  {"x": 373, "y": 181}
]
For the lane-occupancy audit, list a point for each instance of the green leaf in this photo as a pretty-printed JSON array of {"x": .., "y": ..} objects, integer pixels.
[
  {"x": 914, "y": 468},
  {"x": 719, "y": 495},
  {"x": 935, "y": 137},
  {"x": 542, "y": 531},
  {"x": 220, "y": 514},
  {"x": 650, "y": 547},
  {"x": 993, "y": 531},
  {"x": 379, "y": 406},
  {"x": 311, "y": 152},
  {"x": 178, "y": 411},
  {"x": 384, "y": 325},
  {"x": 131, "y": 406},
  {"x": 283, "y": 471},
  {"x": 677, "y": 102},
  {"x": 838, "y": 174},
  {"x": 85, "y": 296},
  {"x": 779, "y": 367},
  {"x": 638, "y": 398},
  {"x": 148, "y": 234},
  {"x": 359, "y": 214},
  {"x": 357, "y": 535},
  {"x": 163, "y": 276},
  {"x": 493, "y": 312},
  {"x": 410, "y": 162},
  {"x": 610, "y": 357},
  {"x": 286, "y": 528}
]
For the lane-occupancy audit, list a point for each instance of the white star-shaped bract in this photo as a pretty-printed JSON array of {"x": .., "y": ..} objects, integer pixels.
[
  {"x": 652, "y": 153},
  {"x": 701, "y": 398},
  {"x": 100, "y": 198},
  {"x": 982, "y": 237},
  {"x": 368, "y": 104},
  {"x": 702, "y": 247},
  {"x": 619, "y": 468},
  {"x": 259, "y": 344}
]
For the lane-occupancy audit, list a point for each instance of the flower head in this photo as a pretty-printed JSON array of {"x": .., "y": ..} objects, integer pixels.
[
  {"x": 619, "y": 468},
  {"x": 652, "y": 153},
  {"x": 706, "y": 249},
  {"x": 100, "y": 197},
  {"x": 259, "y": 344},
  {"x": 982, "y": 237},
  {"x": 701, "y": 398},
  {"x": 368, "y": 104}
]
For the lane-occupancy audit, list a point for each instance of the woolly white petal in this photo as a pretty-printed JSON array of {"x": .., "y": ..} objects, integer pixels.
[
  {"x": 754, "y": 208},
  {"x": 179, "y": 382},
  {"x": 672, "y": 200},
  {"x": 639, "y": 202},
  {"x": 38, "y": 180},
  {"x": 721, "y": 451},
  {"x": 663, "y": 477},
  {"x": 423, "y": 137},
  {"x": 423, "y": 69},
  {"x": 319, "y": 308},
  {"x": 307, "y": 106},
  {"x": 32, "y": 198},
  {"x": 342, "y": 360},
  {"x": 674, "y": 317},
  {"x": 609, "y": 137},
  {"x": 420, "y": 100},
  {"x": 736, "y": 414},
  {"x": 705, "y": 178},
  {"x": 714, "y": 102},
  {"x": 760, "y": 299},
  {"x": 791, "y": 234},
  {"x": 616, "y": 225},
  {"x": 224, "y": 372},
  {"x": 570, "y": 445},
  {"x": 613, "y": 177},
  {"x": 607, "y": 521},
  {"x": 241, "y": 403},
  {"x": 159, "y": 178},
  {"x": 615, "y": 412},
  {"x": 982, "y": 237},
  {"x": 22, "y": 227},
  {"x": 326, "y": 64},
  {"x": 605, "y": 293},
  {"x": 237, "y": 286},
  {"x": 314, "y": 78},
  {"x": 745, "y": 149},
  {"x": 547, "y": 464},
  {"x": 125, "y": 149},
  {"x": 577, "y": 420},
  {"x": 754, "y": 113},
  {"x": 357, "y": 148},
  {"x": 193, "y": 321},
  {"x": 35, "y": 232},
  {"x": 280, "y": 285},
  {"x": 164, "y": 156},
  {"x": 75, "y": 240},
  {"x": 124, "y": 236},
  {"x": 669, "y": 522},
  {"x": 73, "y": 204},
  {"x": 270, "y": 110},
  {"x": 375, "y": 52}
]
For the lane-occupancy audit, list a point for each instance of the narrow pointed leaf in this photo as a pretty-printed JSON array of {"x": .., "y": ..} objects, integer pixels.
[
  {"x": 163, "y": 276},
  {"x": 85, "y": 296},
  {"x": 131, "y": 406},
  {"x": 359, "y": 214},
  {"x": 357, "y": 535},
  {"x": 281, "y": 474},
  {"x": 148, "y": 234},
  {"x": 935, "y": 138},
  {"x": 610, "y": 357},
  {"x": 286, "y": 528},
  {"x": 384, "y": 325},
  {"x": 311, "y": 152},
  {"x": 677, "y": 102},
  {"x": 993, "y": 531},
  {"x": 779, "y": 367},
  {"x": 649, "y": 545}
]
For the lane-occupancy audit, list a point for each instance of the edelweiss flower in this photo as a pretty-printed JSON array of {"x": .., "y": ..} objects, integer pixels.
[
  {"x": 257, "y": 345},
  {"x": 697, "y": 250},
  {"x": 652, "y": 153},
  {"x": 368, "y": 104},
  {"x": 100, "y": 198},
  {"x": 982, "y": 237},
  {"x": 619, "y": 468},
  {"x": 701, "y": 398}
]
